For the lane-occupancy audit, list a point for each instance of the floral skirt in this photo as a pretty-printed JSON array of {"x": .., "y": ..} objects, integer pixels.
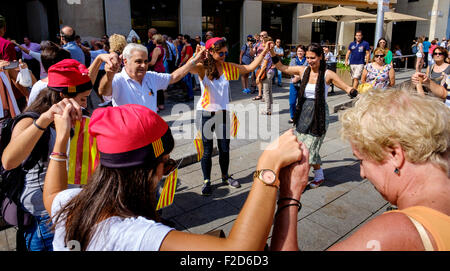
[{"x": 313, "y": 143}]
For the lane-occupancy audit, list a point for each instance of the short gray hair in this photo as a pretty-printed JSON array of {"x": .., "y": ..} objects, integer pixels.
[{"x": 131, "y": 47}]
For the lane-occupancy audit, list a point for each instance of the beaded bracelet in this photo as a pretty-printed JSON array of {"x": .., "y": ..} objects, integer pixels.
[
  {"x": 59, "y": 154},
  {"x": 58, "y": 159}
]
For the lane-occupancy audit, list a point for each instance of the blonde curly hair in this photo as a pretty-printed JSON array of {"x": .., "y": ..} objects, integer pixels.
[
  {"x": 117, "y": 43},
  {"x": 382, "y": 118}
]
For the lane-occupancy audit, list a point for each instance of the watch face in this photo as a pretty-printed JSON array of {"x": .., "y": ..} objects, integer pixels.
[{"x": 268, "y": 176}]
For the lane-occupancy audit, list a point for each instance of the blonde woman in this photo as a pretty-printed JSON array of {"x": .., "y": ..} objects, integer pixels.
[
  {"x": 406, "y": 159},
  {"x": 378, "y": 73}
]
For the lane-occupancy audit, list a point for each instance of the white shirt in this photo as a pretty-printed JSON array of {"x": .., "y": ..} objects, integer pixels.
[
  {"x": 310, "y": 89},
  {"x": 128, "y": 91},
  {"x": 37, "y": 88},
  {"x": 114, "y": 233},
  {"x": 218, "y": 94}
]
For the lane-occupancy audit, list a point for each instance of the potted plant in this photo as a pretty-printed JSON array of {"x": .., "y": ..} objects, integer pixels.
[{"x": 344, "y": 73}]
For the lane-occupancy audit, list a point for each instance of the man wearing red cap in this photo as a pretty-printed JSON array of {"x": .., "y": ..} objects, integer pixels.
[{"x": 134, "y": 84}]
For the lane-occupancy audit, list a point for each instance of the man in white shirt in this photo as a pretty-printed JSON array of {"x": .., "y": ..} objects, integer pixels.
[{"x": 134, "y": 84}]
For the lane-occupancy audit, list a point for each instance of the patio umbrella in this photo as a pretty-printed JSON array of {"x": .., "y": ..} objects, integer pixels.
[
  {"x": 338, "y": 14},
  {"x": 391, "y": 16}
]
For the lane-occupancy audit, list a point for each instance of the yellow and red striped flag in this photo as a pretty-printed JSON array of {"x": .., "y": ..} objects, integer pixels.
[
  {"x": 168, "y": 192},
  {"x": 230, "y": 71},
  {"x": 206, "y": 99},
  {"x": 83, "y": 156},
  {"x": 234, "y": 125},
  {"x": 198, "y": 142}
]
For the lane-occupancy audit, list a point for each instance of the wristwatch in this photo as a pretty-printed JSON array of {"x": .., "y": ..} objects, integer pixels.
[{"x": 267, "y": 177}]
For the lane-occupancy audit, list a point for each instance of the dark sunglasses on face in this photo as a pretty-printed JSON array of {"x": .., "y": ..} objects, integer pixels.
[
  {"x": 221, "y": 54},
  {"x": 376, "y": 56},
  {"x": 169, "y": 166},
  {"x": 438, "y": 54}
]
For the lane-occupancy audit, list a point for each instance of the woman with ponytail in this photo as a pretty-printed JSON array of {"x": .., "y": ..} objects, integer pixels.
[
  {"x": 311, "y": 110},
  {"x": 212, "y": 108}
]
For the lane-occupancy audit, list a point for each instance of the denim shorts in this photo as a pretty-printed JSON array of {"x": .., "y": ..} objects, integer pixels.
[{"x": 39, "y": 235}]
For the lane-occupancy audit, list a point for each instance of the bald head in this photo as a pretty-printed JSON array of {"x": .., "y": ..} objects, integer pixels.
[
  {"x": 67, "y": 34},
  {"x": 151, "y": 32}
]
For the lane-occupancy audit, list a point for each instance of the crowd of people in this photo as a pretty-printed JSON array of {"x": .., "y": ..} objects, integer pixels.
[{"x": 120, "y": 85}]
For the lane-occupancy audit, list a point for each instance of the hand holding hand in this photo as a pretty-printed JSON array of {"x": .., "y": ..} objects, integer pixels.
[
  {"x": 281, "y": 153},
  {"x": 419, "y": 78},
  {"x": 294, "y": 178}
]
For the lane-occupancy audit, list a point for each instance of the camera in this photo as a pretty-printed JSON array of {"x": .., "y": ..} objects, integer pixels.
[{"x": 252, "y": 40}]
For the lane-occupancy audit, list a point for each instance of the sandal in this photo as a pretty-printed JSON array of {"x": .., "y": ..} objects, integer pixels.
[
  {"x": 263, "y": 112},
  {"x": 257, "y": 98},
  {"x": 315, "y": 184}
]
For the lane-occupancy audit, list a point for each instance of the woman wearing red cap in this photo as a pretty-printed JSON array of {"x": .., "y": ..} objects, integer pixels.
[
  {"x": 116, "y": 209},
  {"x": 33, "y": 137},
  {"x": 214, "y": 74}
]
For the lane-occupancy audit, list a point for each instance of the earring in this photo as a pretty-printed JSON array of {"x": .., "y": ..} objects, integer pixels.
[{"x": 397, "y": 171}]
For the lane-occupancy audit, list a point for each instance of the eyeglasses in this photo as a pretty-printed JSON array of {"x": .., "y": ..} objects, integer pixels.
[
  {"x": 377, "y": 56},
  {"x": 221, "y": 54},
  {"x": 169, "y": 166},
  {"x": 438, "y": 54}
]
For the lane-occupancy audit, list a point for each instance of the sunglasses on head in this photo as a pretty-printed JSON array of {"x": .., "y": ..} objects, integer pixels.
[
  {"x": 379, "y": 56},
  {"x": 438, "y": 54}
]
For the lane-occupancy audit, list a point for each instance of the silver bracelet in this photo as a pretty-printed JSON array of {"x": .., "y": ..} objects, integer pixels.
[
  {"x": 193, "y": 62},
  {"x": 58, "y": 159}
]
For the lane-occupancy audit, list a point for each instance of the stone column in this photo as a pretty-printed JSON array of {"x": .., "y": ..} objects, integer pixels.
[
  {"x": 86, "y": 17},
  {"x": 191, "y": 17},
  {"x": 250, "y": 18},
  {"x": 433, "y": 19},
  {"x": 118, "y": 17},
  {"x": 301, "y": 28}
]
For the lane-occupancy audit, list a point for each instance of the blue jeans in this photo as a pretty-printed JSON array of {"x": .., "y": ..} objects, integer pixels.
[
  {"x": 292, "y": 99},
  {"x": 188, "y": 80},
  {"x": 278, "y": 74},
  {"x": 218, "y": 122},
  {"x": 39, "y": 235}
]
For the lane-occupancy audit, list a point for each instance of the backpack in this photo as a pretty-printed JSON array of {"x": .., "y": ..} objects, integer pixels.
[
  {"x": 12, "y": 181},
  {"x": 414, "y": 48}
]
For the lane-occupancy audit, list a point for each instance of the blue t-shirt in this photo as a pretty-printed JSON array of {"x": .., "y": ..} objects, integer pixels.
[
  {"x": 75, "y": 51},
  {"x": 358, "y": 52},
  {"x": 94, "y": 55},
  {"x": 426, "y": 46},
  {"x": 246, "y": 57}
]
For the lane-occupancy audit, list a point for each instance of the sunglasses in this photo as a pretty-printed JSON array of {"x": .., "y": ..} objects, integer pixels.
[
  {"x": 169, "y": 166},
  {"x": 376, "y": 56},
  {"x": 221, "y": 54},
  {"x": 438, "y": 54}
]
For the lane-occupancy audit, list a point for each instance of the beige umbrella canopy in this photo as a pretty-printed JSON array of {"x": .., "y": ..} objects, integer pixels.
[
  {"x": 338, "y": 14},
  {"x": 391, "y": 16}
]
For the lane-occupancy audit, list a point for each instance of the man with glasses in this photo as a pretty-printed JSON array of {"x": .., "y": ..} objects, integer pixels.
[
  {"x": 199, "y": 41},
  {"x": 358, "y": 54},
  {"x": 67, "y": 36}
]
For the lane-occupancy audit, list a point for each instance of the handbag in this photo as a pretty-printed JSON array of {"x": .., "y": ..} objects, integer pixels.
[
  {"x": 262, "y": 74},
  {"x": 24, "y": 78},
  {"x": 363, "y": 88}
]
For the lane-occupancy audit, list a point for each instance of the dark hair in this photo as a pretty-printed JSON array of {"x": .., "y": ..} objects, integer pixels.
[
  {"x": 122, "y": 192},
  {"x": 99, "y": 44},
  {"x": 210, "y": 63},
  {"x": 44, "y": 101},
  {"x": 386, "y": 49},
  {"x": 300, "y": 46},
  {"x": 358, "y": 31},
  {"x": 443, "y": 50},
  {"x": 188, "y": 38},
  {"x": 53, "y": 54},
  {"x": 318, "y": 122}
]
